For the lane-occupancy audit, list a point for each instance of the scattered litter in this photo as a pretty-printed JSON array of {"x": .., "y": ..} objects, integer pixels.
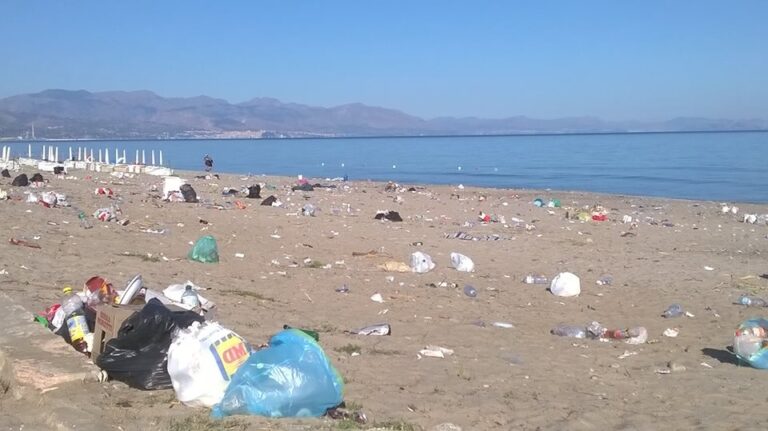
[
  {"x": 436, "y": 351},
  {"x": 670, "y": 332},
  {"x": 503, "y": 325},
  {"x": 627, "y": 354},
  {"x": 376, "y": 297},
  {"x": 565, "y": 284},
  {"x": 462, "y": 263},
  {"x": 421, "y": 262},
  {"x": 378, "y": 329}
]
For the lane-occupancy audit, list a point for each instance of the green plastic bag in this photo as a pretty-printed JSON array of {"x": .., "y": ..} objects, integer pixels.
[{"x": 204, "y": 250}]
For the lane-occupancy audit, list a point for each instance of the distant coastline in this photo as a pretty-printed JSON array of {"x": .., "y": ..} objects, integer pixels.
[{"x": 294, "y": 138}]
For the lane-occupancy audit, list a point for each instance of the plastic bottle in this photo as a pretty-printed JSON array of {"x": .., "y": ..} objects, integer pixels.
[
  {"x": 536, "y": 279},
  {"x": 572, "y": 331},
  {"x": 470, "y": 291},
  {"x": 84, "y": 222},
  {"x": 190, "y": 298},
  {"x": 751, "y": 301},
  {"x": 674, "y": 310},
  {"x": 77, "y": 327}
]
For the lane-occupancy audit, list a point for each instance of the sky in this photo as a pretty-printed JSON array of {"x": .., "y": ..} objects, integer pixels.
[{"x": 617, "y": 60}]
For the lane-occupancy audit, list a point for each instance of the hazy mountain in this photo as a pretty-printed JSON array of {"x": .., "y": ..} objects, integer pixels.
[{"x": 143, "y": 114}]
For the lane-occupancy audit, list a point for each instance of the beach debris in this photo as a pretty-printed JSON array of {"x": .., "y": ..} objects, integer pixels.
[
  {"x": 626, "y": 354},
  {"x": 394, "y": 266},
  {"x": 393, "y": 216},
  {"x": 674, "y": 310},
  {"x": 376, "y": 297},
  {"x": 709, "y": 268},
  {"x": 421, "y": 262},
  {"x": 433, "y": 351},
  {"x": 471, "y": 237},
  {"x": 605, "y": 280},
  {"x": 343, "y": 289},
  {"x": 671, "y": 332},
  {"x": 503, "y": 325},
  {"x": 378, "y": 329},
  {"x": 565, "y": 284},
  {"x": 23, "y": 243},
  {"x": 462, "y": 263},
  {"x": 204, "y": 250}
]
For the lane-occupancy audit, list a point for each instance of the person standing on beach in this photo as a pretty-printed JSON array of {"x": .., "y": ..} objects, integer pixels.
[{"x": 208, "y": 162}]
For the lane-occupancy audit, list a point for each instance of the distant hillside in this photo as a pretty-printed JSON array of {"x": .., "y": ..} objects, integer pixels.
[{"x": 59, "y": 114}]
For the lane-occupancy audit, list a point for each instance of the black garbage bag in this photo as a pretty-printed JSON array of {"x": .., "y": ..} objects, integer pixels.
[
  {"x": 139, "y": 354},
  {"x": 5, "y": 173},
  {"x": 37, "y": 178},
  {"x": 304, "y": 188},
  {"x": 269, "y": 201},
  {"x": 254, "y": 192},
  {"x": 389, "y": 215},
  {"x": 190, "y": 195},
  {"x": 58, "y": 170},
  {"x": 20, "y": 181}
]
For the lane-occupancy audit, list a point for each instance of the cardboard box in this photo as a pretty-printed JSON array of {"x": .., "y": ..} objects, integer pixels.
[{"x": 108, "y": 320}]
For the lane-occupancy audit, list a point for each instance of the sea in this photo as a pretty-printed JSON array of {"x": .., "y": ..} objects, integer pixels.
[{"x": 714, "y": 166}]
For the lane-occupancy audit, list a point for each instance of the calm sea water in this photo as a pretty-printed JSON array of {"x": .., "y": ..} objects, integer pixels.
[{"x": 705, "y": 166}]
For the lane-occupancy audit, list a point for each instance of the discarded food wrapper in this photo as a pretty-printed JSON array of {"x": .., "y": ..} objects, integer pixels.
[
  {"x": 436, "y": 351},
  {"x": 394, "y": 266},
  {"x": 378, "y": 329}
]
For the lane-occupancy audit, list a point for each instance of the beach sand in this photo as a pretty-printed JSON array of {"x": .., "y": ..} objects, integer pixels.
[{"x": 520, "y": 378}]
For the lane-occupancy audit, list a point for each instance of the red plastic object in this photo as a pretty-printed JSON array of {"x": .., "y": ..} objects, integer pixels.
[{"x": 599, "y": 217}]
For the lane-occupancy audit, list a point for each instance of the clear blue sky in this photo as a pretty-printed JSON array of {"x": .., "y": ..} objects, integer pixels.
[{"x": 614, "y": 59}]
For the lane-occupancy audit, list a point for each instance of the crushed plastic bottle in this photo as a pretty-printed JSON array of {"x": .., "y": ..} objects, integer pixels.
[
  {"x": 470, "y": 291},
  {"x": 674, "y": 310},
  {"x": 571, "y": 331},
  {"x": 751, "y": 301},
  {"x": 536, "y": 279}
]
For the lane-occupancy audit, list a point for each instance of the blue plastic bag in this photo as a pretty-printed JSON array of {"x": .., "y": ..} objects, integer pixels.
[
  {"x": 751, "y": 342},
  {"x": 290, "y": 378},
  {"x": 205, "y": 250}
]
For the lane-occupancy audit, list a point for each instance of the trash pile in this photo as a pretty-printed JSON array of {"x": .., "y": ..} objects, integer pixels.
[{"x": 160, "y": 340}]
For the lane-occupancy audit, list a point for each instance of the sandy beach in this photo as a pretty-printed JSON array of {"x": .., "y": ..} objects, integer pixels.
[{"x": 499, "y": 377}]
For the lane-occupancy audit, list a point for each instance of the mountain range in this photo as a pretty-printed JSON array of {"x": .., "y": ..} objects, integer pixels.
[{"x": 67, "y": 114}]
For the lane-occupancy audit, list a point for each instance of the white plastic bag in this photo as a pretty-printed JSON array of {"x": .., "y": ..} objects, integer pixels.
[
  {"x": 421, "y": 262},
  {"x": 462, "y": 263},
  {"x": 171, "y": 185},
  {"x": 565, "y": 284},
  {"x": 202, "y": 360}
]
